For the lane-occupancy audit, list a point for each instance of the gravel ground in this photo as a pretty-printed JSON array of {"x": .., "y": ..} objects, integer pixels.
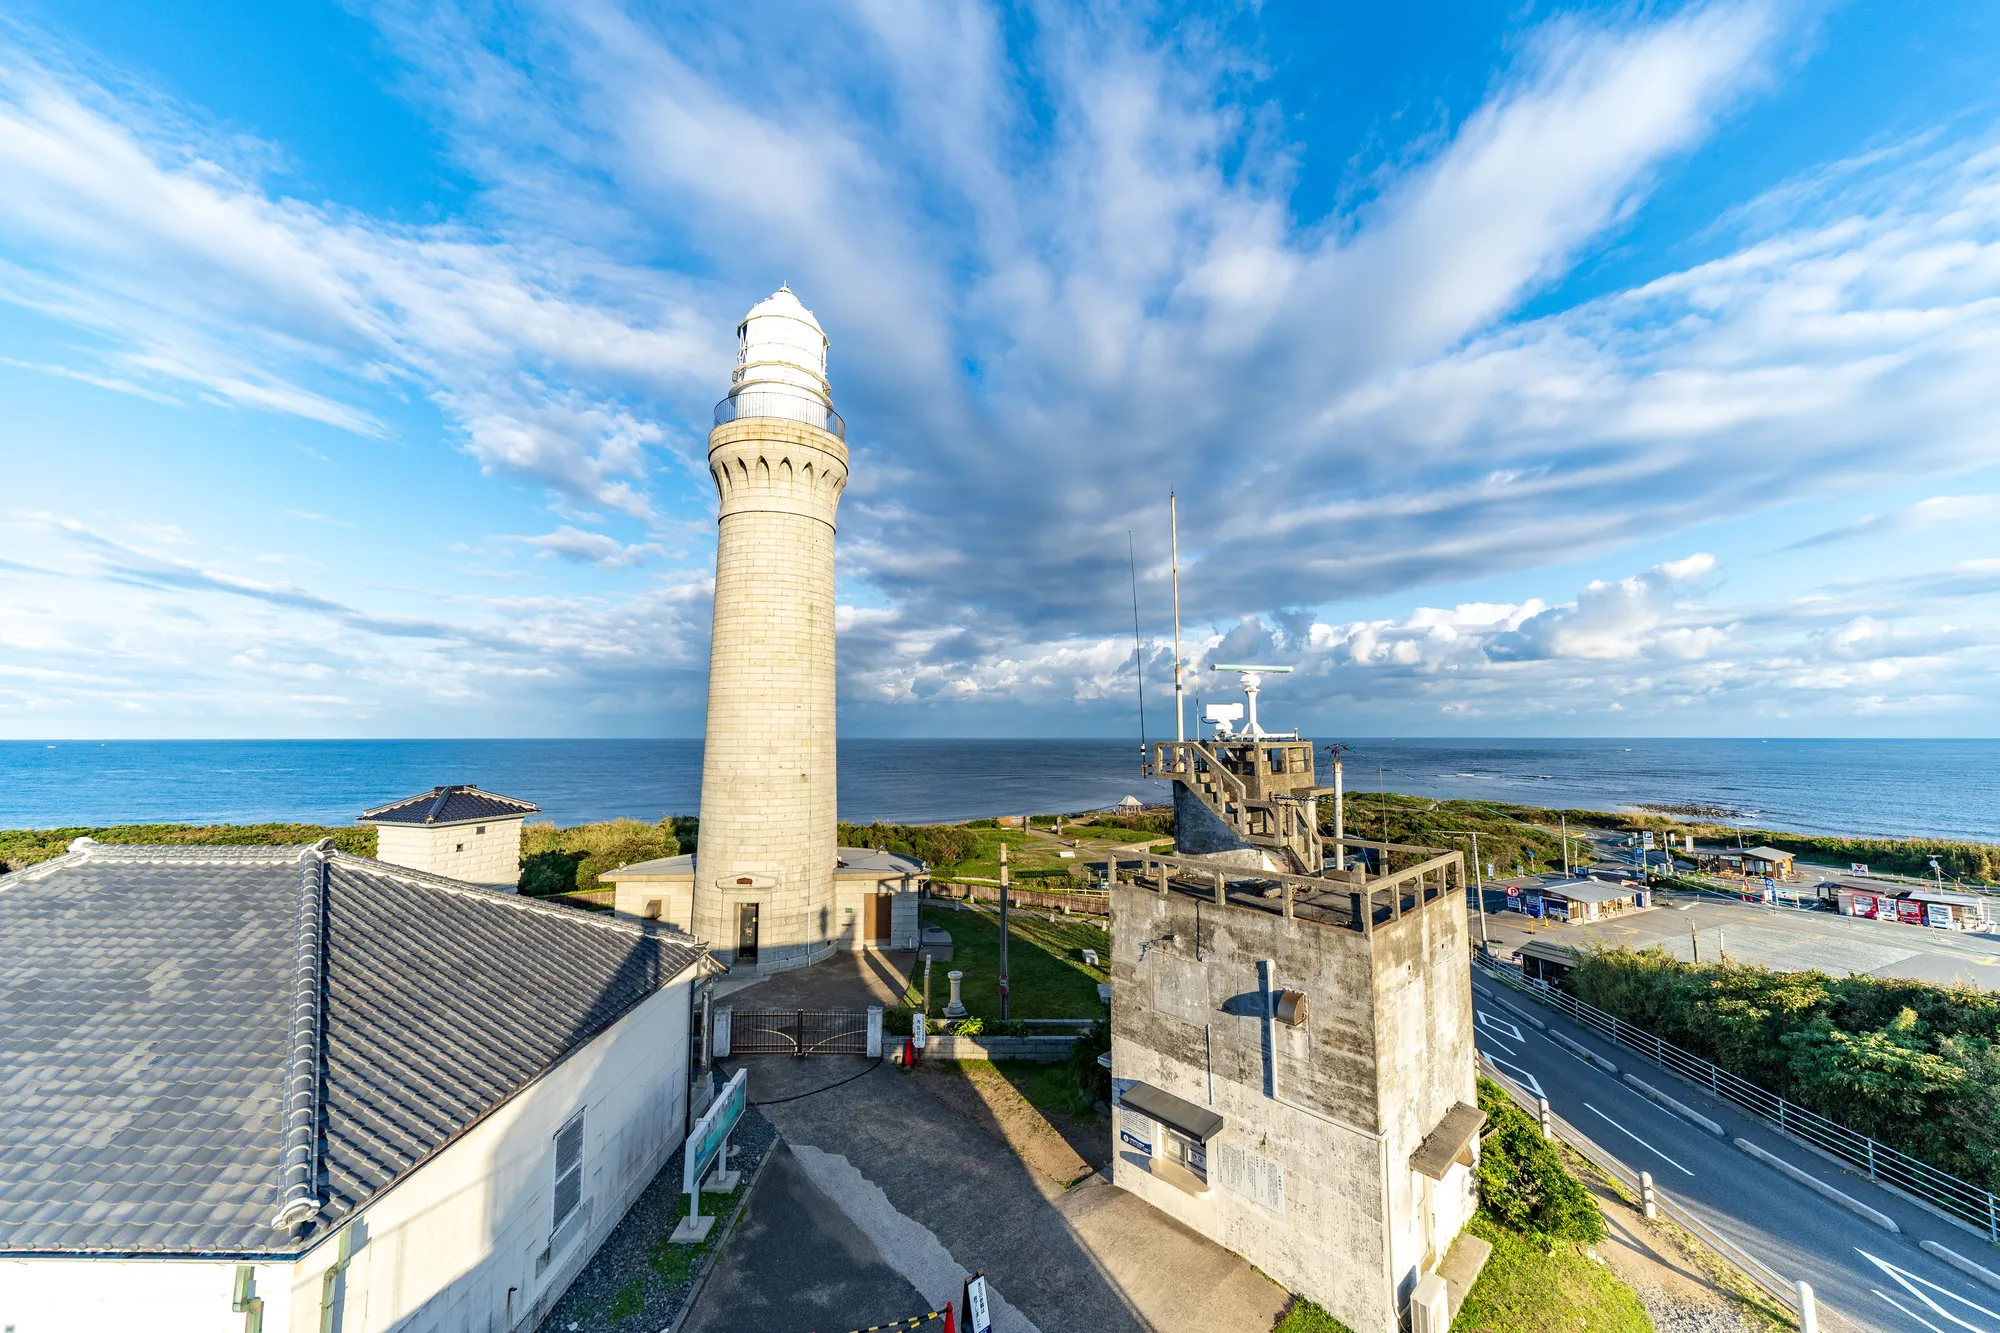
[{"x": 639, "y": 1281}]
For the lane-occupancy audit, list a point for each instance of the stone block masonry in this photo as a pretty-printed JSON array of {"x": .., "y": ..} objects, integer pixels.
[{"x": 768, "y": 820}]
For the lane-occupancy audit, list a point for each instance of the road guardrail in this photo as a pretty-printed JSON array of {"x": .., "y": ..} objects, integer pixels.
[{"x": 1961, "y": 1201}]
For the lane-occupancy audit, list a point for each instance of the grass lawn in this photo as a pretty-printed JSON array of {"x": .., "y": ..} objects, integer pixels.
[
  {"x": 1525, "y": 1289},
  {"x": 1305, "y": 1317},
  {"x": 1049, "y": 978},
  {"x": 1030, "y": 858}
]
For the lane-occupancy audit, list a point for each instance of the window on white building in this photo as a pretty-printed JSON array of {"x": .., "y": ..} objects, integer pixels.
[
  {"x": 1188, "y": 1153},
  {"x": 569, "y": 1170}
]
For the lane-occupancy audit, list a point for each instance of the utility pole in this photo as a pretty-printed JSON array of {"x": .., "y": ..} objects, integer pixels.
[
  {"x": 1479, "y": 887},
  {"x": 1174, "y": 521},
  {"x": 1003, "y": 925},
  {"x": 1339, "y": 809},
  {"x": 1567, "y": 872}
]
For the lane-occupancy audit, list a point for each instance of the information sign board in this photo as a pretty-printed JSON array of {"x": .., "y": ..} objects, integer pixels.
[
  {"x": 917, "y": 1030},
  {"x": 1646, "y": 840},
  {"x": 978, "y": 1318},
  {"x": 712, "y": 1130},
  {"x": 1256, "y": 1177},
  {"x": 1513, "y": 892}
]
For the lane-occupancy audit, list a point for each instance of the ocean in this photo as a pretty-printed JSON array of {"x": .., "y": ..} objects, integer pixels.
[{"x": 1933, "y": 788}]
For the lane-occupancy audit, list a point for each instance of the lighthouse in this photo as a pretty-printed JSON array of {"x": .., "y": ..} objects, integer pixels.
[{"x": 765, "y": 860}]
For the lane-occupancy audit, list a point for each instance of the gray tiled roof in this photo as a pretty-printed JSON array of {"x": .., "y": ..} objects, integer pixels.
[
  {"x": 449, "y": 805},
  {"x": 152, "y": 996}
]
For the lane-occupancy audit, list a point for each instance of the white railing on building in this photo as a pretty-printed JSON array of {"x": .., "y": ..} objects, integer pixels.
[{"x": 783, "y": 407}]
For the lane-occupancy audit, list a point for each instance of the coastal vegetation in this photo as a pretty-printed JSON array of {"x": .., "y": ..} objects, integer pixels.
[
  {"x": 1977, "y": 862},
  {"x": 23, "y": 847},
  {"x": 561, "y": 860},
  {"x": 937, "y": 845},
  {"x": 1913, "y": 1064},
  {"x": 1509, "y": 835}
]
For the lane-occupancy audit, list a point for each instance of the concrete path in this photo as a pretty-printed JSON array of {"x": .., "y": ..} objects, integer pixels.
[
  {"x": 935, "y": 1197},
  {"x": 795, "y": 1261}
]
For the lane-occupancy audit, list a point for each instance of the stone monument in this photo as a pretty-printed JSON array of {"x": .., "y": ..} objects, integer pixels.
[{"x": 764, "y": 863}]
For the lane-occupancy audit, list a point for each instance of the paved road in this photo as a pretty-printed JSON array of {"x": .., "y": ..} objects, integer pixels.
[
  {"x": 1781, "y": 938},
  {"x": 1865, "y": 1277}
]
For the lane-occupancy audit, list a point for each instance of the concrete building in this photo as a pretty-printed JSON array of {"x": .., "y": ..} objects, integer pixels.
[
  {"x": 1293, "y": 1066},
  {"x": 459, "y": 832},
  {"x": 291, "y": 1089},
  {"x": 763, "y": 885},
  {"x": 875, "y": 897}
]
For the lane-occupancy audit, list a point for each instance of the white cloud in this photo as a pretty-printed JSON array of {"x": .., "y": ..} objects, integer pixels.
[
  {"x": 591, "y": 548},
  {"x": 1059, "y": 279}
]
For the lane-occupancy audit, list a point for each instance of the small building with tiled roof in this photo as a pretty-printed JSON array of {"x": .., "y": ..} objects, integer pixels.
[
  {"x": 460, "y": 832},
  {"x": 228, "y": 1072},
  {"x": 875, "y": 901}
]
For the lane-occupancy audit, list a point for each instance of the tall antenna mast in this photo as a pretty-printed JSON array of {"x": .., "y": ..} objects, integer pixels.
[
  {"x": 1180, "y": 713},
  {"x": 1138, "y": 658}
]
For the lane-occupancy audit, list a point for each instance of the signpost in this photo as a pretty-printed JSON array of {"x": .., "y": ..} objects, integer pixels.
[
  {"x": 978, "y": 1318},
  {"x": 708, "y": 1143}
]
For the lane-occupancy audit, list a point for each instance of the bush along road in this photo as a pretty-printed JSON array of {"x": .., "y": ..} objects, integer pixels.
[{"x": 1866, "y": 1275}]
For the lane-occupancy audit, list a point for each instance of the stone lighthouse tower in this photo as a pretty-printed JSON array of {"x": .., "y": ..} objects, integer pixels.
[{"x": 764, "y": 862}]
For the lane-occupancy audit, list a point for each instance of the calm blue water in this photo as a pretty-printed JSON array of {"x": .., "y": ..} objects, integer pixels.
[{"x": 1935, "y": 788}]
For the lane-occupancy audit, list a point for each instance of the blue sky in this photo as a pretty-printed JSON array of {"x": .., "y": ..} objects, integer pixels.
[{"x": 1615, "y": 370}]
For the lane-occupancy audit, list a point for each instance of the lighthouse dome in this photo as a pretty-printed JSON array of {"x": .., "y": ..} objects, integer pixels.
[{"x": 781, "y": 349}]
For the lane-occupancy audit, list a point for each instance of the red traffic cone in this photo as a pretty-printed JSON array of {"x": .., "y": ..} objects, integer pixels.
[{"x": 950, "y": 1325}]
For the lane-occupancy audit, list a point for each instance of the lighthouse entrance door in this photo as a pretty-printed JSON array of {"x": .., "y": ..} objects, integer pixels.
[{"x": 746, "y": 932}]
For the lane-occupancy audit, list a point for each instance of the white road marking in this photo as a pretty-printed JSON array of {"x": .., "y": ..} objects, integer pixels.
[
  {"x": 1907, "y": 1280},
  {"x": 906, "y": 1245},
  {"x": 1521, "y": 1076},
  {"x": 1906, "y": 1310},
  {"x": 1487, "y": 1020},
  {"x": 1636, "y": 1139}
]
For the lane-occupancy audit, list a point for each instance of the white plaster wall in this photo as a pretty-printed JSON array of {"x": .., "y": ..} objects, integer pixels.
[
  {"x": 441, "y": 1250},
  {"x": 121, "y": 1295},
  {"x": 675, "y": 896},
  {"x": 853, "y": 900},
  {"x": 458, "y": 851}
]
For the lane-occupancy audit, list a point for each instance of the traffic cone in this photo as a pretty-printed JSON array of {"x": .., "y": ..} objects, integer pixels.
[{"x": 950, "y": 1326}]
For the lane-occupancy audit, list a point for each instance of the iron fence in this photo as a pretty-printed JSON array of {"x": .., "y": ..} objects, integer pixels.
[
  {"x": 798, "y": 1032},
  {"x": 784, "y": 407},
  {"x": 1961, "y": 1200}
]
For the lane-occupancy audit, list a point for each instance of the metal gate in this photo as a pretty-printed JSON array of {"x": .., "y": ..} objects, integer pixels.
[{"x": 798, "y": 1032}]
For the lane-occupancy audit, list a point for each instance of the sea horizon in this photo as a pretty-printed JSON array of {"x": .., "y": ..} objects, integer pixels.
[{"x": 1921, "y": 787}]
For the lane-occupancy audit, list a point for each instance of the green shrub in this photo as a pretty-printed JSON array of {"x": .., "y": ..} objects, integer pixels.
[
  {"x": 937, "y": 845},
  {"x": 1091, "y": 1078},
  {"x": 544, "y": 873},
  {"x": 1914, "y": 1064},
  {"x": 1522, "y": 1181}
]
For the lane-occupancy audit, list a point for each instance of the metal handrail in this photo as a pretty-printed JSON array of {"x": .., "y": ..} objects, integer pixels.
[
  {"x": 782, "y": 407},
  {"x": 1767, "y": 1279},
  {"x": 1959, "y": 1199}
]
